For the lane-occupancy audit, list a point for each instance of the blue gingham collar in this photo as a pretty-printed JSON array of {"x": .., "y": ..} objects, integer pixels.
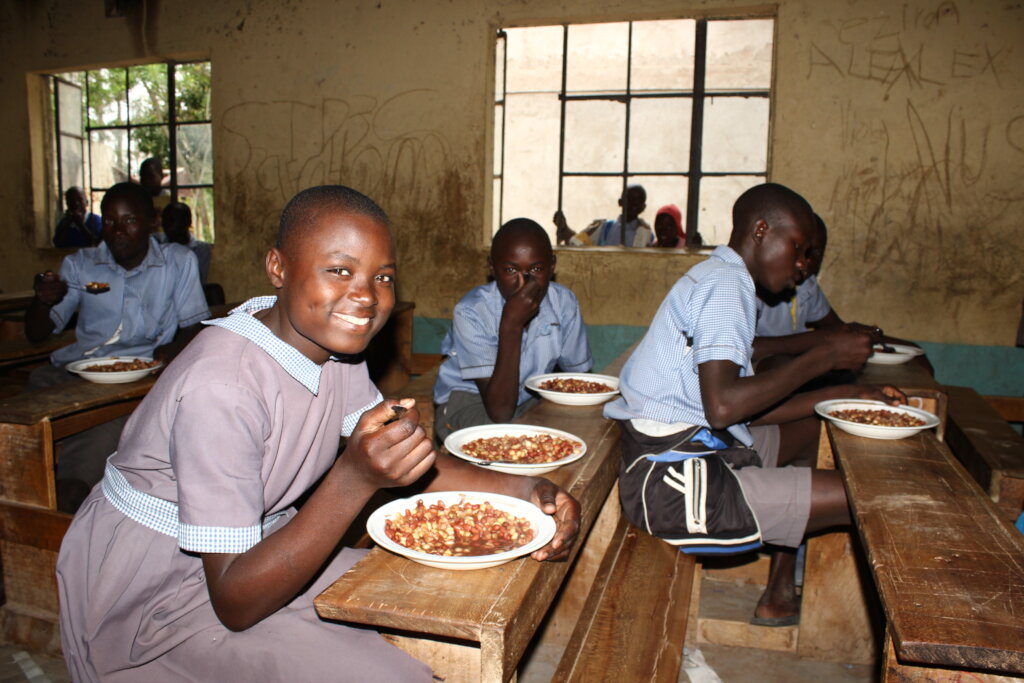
[
  {"x": 241, "y": 320},
  {"x": 729, "y": 255}
]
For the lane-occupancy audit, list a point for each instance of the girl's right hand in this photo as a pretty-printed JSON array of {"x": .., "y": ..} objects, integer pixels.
[{"x": 388, "y": 455}]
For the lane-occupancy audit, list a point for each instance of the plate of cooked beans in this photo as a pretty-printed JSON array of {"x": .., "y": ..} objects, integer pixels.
[
  {"x": 115, "y": 369},
  {"x": 516, "y": 448},
  {"x": 876, "y": 419},
  {"x": 461, "y": 529},
  {"x": 574, "y": 388}
]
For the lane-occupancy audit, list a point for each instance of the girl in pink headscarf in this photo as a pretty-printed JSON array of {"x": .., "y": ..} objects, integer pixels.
[{"x": 668, "y": 228}]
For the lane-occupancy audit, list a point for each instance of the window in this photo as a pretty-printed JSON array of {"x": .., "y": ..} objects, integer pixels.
[
  {"x": 679, "y": 106},
  {"x": 108, "y": 121}
]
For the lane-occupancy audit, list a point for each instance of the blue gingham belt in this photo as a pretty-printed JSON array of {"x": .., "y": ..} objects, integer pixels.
[{"x": 162, "y": 516}]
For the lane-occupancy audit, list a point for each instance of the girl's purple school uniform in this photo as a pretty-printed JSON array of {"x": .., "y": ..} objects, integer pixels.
[{"x": 236, "y": 429}]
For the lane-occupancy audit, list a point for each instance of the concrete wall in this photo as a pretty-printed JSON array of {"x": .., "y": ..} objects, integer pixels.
[{"x": 903, "y": 123}]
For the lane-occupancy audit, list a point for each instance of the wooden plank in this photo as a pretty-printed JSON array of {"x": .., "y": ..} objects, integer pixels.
[
  {"x": 744, "y": 634},
  {"x": 31, "y": 407},
  {"x": 634, "y": 622},
  {"x": 423, "y": 363},
  {"x": 836, "y": 622},
  {"x": 562, "y": 619},
  {"x": 893, "y": 671},
  {"x": 990, "y": 450},
  {"x": 19, "y": 349},
  {"x": 1010, "y": 408},
  {"x": 905, "y": 376},
  {"x": 950, "y": 572},
  {"x": 499, "y": 608},
  {"x": 32, "y": 526},
  {"x": 26, "y": 468}
]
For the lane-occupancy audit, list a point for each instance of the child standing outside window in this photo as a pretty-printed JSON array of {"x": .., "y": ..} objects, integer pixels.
[
  {"x": 705, "y": 441},
  {"x": 506, "y": 331},
  {"x": 189, "y": 562}
]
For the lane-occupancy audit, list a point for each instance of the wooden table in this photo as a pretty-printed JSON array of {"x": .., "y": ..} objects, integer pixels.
[
  {"x": 16, "y": 301},
  {"x": 475, "y": 626},
  {"x": 20, "y": 350},
  {"x": 948, "y": 570},
  {"x": 31, "y": 529}
]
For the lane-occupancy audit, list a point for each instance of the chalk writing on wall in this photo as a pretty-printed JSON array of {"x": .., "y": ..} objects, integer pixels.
[
  {"x": 918, "y": 196},
  {"x": 902, "y": 49},
  {"x": 279, "y": 147}
]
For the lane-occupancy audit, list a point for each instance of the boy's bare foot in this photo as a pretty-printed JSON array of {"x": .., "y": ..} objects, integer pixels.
[{"x": 779, "y": 605}]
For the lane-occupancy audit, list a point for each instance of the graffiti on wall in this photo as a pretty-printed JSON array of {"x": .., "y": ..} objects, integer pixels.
[
  {"x": 901, "y": 49},
  {"x": 281, "y": 146},
  {"x": 921, "y": 185}
]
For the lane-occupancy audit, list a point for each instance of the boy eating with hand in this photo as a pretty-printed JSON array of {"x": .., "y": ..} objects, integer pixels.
[
  {"x": 705, "y": 441},
  {"x": 506, "y": 331}
]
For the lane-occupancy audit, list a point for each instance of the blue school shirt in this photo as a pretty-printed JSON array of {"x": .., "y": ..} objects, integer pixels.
[
  {"x": 709, "y": 314},
  {"x": 791, "y": 317},
  {"x": 556, "y": 336},
  {"x": 143, "y": 309}
]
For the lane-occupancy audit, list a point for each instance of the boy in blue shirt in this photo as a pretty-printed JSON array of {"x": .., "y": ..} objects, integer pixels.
[
  {"x": 152, "y": 306},
  {"x": 705, "y": 441},
  {"x": 506, "y": 331}
]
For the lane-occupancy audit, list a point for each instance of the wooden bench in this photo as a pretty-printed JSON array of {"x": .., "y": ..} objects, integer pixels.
[
  {"x": 633, "y": 625},
  {"x": 988, "y": 448}
]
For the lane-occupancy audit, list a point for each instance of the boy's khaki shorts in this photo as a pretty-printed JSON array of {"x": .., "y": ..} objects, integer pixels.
[{"x": 779, "y": 497}]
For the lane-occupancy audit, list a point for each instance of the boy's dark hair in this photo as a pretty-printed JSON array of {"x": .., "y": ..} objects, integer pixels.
[
  {"x": 149, "y": 163},
  {"x": 769, "y": 201},
  {"x": 176, "y": 213},
  {"x": 308, "y": 204},
  {"x": 134, "y": 192},
  {"x": 518, "y": 228},
  {"x": 821, "y": 227}
]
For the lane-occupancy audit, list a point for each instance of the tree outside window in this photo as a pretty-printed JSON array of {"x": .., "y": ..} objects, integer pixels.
[{"x": 108, "y": 121}]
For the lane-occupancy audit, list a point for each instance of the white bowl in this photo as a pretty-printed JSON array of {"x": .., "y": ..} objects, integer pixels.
[
  {"x": 543, "y": 528},
  {"x": 565, "y": 398},
  {"x": 78, "y": 367},
  {"x": 825, "y": 409},
  {"x": 900, "y": 353},
  {"x": 456, "y": 440}
]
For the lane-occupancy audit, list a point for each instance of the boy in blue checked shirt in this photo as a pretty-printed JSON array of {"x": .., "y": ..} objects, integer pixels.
[
  {"x": 506, "y": 331},
  {"x": 705, "y": 441}
]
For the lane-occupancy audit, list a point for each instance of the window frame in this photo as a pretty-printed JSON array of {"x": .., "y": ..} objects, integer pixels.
[
  {"x": 698, "y": 94},
  {"x": 171, "y": 122}
]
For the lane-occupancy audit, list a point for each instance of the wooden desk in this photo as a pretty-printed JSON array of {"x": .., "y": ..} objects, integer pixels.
[
  {"x": 475, "y": 626},
  {"x": 31, "y": 529},
  {"x": 21, "y": 350},
  {"x": 949, "y": 571},
  {"x": 16, "y": 301}
]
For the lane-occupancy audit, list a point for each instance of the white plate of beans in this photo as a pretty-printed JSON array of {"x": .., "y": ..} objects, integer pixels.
[
  {"x": 876, "y": 419},
  {"x": 461, "y": 529}
]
